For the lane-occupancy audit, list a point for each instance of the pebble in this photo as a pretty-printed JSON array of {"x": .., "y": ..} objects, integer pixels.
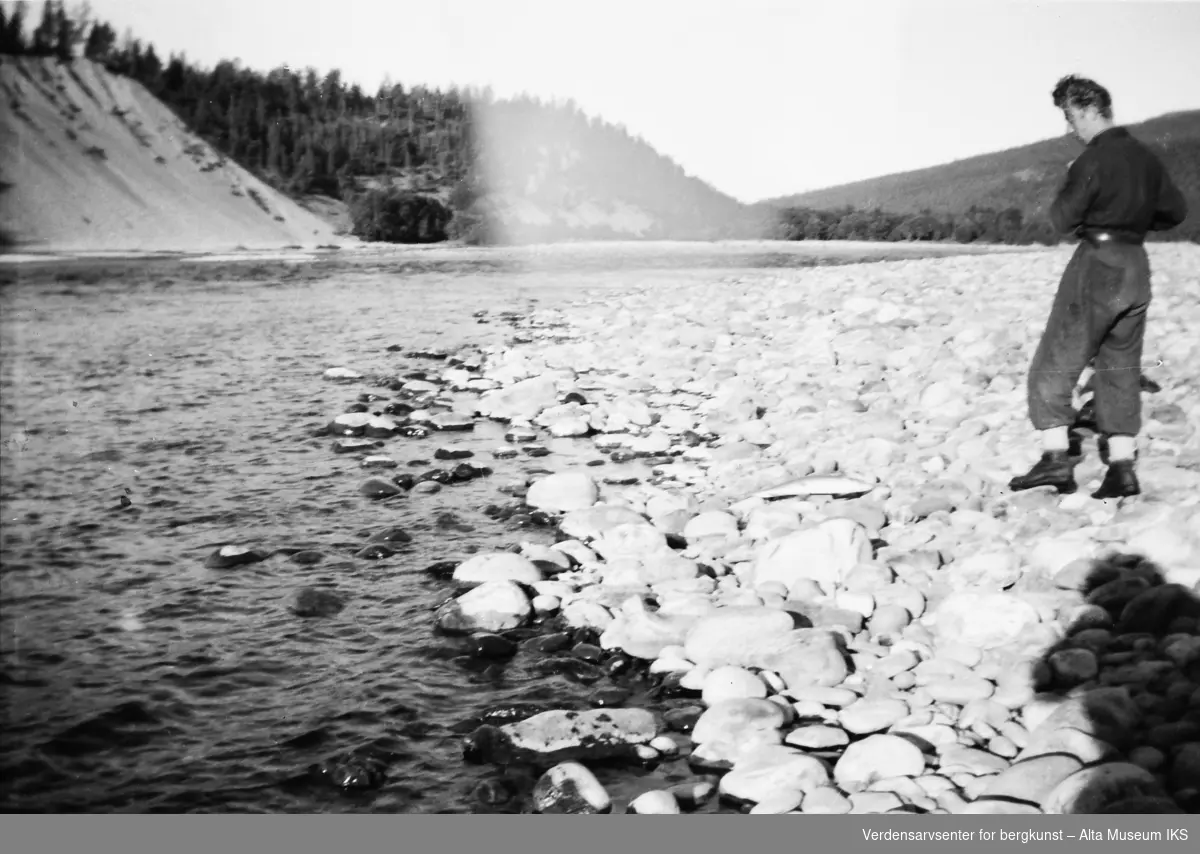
[
  {"x": 659, "y": 802},
  {"x": 572, "y": 789}
]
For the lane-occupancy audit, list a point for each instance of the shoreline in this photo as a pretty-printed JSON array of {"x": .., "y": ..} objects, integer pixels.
[{"x": 949, "y": 632}]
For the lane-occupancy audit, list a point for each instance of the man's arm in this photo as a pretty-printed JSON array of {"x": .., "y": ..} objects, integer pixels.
[
  {"x": 1076, "y": 196},
  {"x": 1172, "y": 206}
]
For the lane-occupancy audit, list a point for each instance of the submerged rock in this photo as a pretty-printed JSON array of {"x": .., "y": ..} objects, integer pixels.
[{"x": 561, "y": 735}]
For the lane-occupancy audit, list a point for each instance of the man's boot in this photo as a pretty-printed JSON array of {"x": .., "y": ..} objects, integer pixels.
[
  {"x": 1120, "y": 481},
  {"x": 1053, "y": 469}
]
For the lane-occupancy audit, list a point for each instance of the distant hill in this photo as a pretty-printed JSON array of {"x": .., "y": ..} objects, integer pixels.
[
  {"x": 1025, "y": 178},
  {"x": 95, "y": 162}
]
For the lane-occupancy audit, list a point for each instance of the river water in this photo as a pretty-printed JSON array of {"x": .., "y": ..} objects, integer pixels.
[{"x": 153, "y": 415}]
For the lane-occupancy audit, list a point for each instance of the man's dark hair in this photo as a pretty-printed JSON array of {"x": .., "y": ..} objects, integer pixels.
[{"x": 1082, "y": 93}]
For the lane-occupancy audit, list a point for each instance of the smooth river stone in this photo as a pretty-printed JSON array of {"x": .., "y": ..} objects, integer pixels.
[
  {"x": 765, "y": 772},
  {"x": 1110, "y": 714},
  {"x": 960, "y": 690},
  {"x": 985, "y": 620},
  {"x": 590, "y": 523},
  {"x": 868, "y": 716},
  {"x": 825, "y": 800},
  {"x": 658, "y": 802},
  {"x": 817, "y": 737},
  {"x": 562, "y": 735},
  {"x": 1090, "y": 790},
  {"x": 493, "y": 606},
  {"x": 732, "y": 683},
  {"x": 570, "y": 788},
  {"x": 562, "y": 492},
  {"x": 497, "y": 566},
  {"x": 733, "y": 722},
  {"x": 717, "y": 639},
  {"x": 1033, "y": 779},
  {"x": 824, "y": 554},
  {"x": 876, "y": 757}
]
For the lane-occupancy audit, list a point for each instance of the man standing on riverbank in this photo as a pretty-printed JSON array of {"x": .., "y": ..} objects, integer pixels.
[{"x": 1115, "y": 192}]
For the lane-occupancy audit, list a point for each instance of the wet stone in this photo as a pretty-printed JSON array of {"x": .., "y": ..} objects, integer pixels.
[
  {"x": 452, "y": 454},
  {"x": 228, "y": 557},
  {"x": 316, "y": 602},
  {"x": 488, "y": 645},
  {"x": 376, "y": 551},
  {"x": 608, "y": 697}
]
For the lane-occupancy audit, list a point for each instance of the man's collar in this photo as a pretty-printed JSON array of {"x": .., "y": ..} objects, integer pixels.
[{"x": 1109, "y": 133}]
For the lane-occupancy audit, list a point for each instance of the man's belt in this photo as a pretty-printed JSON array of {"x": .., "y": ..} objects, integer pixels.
[{"x": 1100, "y": 236}]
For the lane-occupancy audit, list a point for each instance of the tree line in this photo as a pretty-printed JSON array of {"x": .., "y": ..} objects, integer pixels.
[{"x": 975, "y": 225}]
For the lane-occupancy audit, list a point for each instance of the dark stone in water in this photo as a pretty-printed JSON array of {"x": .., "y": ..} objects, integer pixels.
[
  {"x": 586, "y": 635},
  {"x": 218, "y": 560},
  {"x": 588, "y": 652},
  {"x": 436, "y": 355},
  {"x": 536, "y": 450},
  {"x": 391, "y": 535},
  {"x": 308, "y": 557},
  {"x": 316, "y": 602},
  {"x": 622, "y": 456},
  {"x": 619, "y": 665},
  {"x": 474, "y": 664},
  {"x": 358, "y": 407},
  {"x": 608, "y": 697},
  {"x": 414, "y": 431},
  {"x": 370, "y": 397},
  {"x": 500, "y": 514},
  {"x": 442, "y": 569},
  {"x": 670, "y": 688},
  {"x": 351, "y": 446},
  {"x": 542, "y": 519},
  {"x": 495, "y": 792},
  {"x": 404, "y": 481},
  {"x": 575, "y": 397},
  {"x": 376, "y": 487},
  {"x": 452, "y": 454},
  {"x": 691, "y": 438},
  {"x": 595, "y": 462},
  {"x": 398, "y": 409},
  {"x": 683, "y": 718},
  {"x": 488, "y": 645},
  {"x": 448, "y": 520},
  {"x": 437, "y": 476},
  {"x": 376, "y": 551},
  {"x": 573, "y": 669},
  {"x": 356, "y": 772},
  {"x": 468, "y": 471},
  {"x": 622, "y": 480},
  {"x": 555, "y": 642},
  {"x": 376, "y": 431}
]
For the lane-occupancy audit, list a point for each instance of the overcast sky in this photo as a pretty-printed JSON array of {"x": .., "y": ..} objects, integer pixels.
[{"x": 758, "y": 98}]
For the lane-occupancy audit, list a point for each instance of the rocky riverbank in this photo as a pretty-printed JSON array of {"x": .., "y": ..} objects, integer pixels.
[{"x": 838, "y": 602}]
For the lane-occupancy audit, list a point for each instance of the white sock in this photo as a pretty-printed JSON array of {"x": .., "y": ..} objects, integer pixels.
[
  {"x": 1121, "y": 447},
  {"x": 1056, "y": 439}
]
